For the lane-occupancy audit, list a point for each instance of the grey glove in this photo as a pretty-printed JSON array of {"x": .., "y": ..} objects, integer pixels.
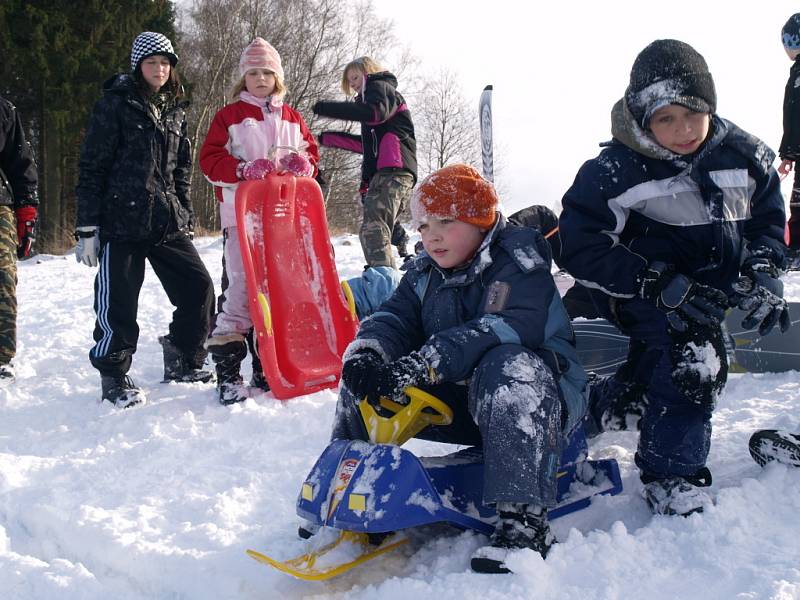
[{"x": 88, "y": 245}]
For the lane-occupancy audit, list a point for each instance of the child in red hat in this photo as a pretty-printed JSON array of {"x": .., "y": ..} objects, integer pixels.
[{"x": 478, "y": 322}]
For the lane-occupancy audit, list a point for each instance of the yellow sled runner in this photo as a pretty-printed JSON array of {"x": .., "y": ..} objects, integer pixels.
[{"x": 317, "y": 564}]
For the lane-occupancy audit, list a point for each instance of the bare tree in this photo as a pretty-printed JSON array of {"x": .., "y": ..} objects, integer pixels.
[
  {"x": 447, "y": 125},
  {"x": 315, "y": 39}
]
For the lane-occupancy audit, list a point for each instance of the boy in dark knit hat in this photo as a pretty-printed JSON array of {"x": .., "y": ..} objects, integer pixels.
[
  {"x": 679, "y": 217},
  {"x": 478, "y": 322},
  {"x": 789, "y": 150}
]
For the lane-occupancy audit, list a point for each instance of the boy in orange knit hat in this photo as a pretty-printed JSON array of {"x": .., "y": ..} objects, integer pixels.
[{"x": 478, "y": 322}]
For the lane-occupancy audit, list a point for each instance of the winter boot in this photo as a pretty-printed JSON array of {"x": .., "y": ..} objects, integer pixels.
[
  {"x": 257, "y": 380},
  {"x": 677, "y": 495},
  {"x": 771, "y": 444},
  {"x": 616, "y": 405},
  {"x": 307, "y": 529},
  {"x": 121, "y": 391},
  {"x": 228, "y": 351},
  {"x": 518, "y": 526},
  {"x": 7, "y": 374},
  {"x": 180, "y": 367}
]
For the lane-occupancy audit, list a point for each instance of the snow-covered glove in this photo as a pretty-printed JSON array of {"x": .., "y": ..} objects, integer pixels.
[
  {"x": 358, "y": 369},
  {"x": 26, "y": 229},
  {"x": 762, "y": 297},
  {"x": 297, "y": 165},
  {"x": 684, "y": 301},
  {"x": 255, "y": 169},
  {"x": 88, "y": 245},
  {"x": 763, "y": 260},
  {"x": 391, "y": 380}
]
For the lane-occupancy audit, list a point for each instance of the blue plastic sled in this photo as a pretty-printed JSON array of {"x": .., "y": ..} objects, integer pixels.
[{"x": 360, "y": 488}]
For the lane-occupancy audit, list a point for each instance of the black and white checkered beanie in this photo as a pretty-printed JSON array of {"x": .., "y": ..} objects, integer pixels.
[
  {"x": 669, "y": 72},
  {"x": 149, "y": 43}
]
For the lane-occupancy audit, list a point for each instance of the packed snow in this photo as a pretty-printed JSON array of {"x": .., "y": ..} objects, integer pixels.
[{"x": 162, "y": 500}]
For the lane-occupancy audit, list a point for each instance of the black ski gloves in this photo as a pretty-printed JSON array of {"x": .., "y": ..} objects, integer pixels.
[
  {"x": 685, "y": 302},
  {"x": 368, "y": 377},
  {"x": 760, "y": 291}
]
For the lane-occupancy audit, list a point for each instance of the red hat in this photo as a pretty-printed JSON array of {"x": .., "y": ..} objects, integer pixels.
[
  {"x": 455, "y": 192},
  {"x": 260, "y": 55}
]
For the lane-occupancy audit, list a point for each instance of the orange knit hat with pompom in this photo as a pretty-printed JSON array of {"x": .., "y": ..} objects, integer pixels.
[{"x": 455, "y": 192}]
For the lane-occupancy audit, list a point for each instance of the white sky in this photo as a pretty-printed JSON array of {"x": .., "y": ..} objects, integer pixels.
[{"x": 558, "y": 69}]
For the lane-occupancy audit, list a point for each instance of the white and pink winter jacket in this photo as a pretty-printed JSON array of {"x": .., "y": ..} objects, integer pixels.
[{"x": 246, "y": 130}]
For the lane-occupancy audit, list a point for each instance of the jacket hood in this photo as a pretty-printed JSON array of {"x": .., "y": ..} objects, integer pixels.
[
  {"x": 384, "y": 76},
  {"x": 121, "y": 82},
  {"x": 626, "y": 130}
]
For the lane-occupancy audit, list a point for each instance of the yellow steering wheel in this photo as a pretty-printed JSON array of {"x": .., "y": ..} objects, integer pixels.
[{"x": 408, "y": 420}]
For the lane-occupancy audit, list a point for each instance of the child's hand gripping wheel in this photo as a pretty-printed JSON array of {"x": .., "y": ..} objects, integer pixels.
[{"x": 407, "y": 420}]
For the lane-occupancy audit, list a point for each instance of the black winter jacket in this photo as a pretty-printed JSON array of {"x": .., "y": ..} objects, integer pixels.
[
  {"x": 18, "y": 177},
  {"x": 134, "y": 168},
  {"x": 387, "y": 133},
  {"x": 790, "y": 143}
]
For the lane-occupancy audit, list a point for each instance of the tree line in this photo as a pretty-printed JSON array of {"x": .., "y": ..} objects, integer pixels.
[{"x": 58, "y": 53}]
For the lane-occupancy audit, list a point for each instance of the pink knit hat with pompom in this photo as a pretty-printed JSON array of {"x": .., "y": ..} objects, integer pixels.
[{"x": 260, "y": 55}]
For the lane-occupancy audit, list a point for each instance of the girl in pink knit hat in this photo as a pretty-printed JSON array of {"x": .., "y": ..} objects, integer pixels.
[{"x": 255, "y": 135}]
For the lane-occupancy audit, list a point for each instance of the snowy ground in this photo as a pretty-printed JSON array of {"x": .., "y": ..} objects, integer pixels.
[{"x": 161, "y": 501}]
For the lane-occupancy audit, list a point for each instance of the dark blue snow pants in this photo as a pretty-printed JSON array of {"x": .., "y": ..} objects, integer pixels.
[
  {"x": 682, "y": 374},
  {"x": 511, "y": 408}
]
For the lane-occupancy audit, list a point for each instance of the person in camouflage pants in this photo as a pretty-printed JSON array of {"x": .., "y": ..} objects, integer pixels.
[
  {"x": 389, "y": 149},
  {"x": 18, "y": 209}
]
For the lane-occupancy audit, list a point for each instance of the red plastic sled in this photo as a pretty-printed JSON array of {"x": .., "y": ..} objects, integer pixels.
[{"x": 299, "y": 311}]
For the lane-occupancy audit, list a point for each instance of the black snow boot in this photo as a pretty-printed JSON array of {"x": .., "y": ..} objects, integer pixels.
[
  {"x": 121, "y": 391},
  {"x": 227, "y": 353},
  {"x": 180, "y": 367},
  {"x": 257, "y": 380},
  {"x": 771, "y": 444},
  {"x": 7, "y": 374},
  {"x": 518, "y": 526},
  {"x": 677, "y": 495}
]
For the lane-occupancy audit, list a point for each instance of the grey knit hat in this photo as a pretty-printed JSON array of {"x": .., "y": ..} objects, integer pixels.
[
  {"x": 149, "y": 43},
  {"x": 669, "y": 72}
]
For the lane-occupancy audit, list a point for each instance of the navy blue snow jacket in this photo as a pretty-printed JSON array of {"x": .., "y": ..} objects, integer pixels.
[
  {"x": 506, "y": 295},
  {"x": 637, "y": 203}
]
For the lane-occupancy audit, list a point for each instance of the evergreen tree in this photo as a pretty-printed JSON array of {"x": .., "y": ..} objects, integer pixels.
[{"x": 56, "y": 56}]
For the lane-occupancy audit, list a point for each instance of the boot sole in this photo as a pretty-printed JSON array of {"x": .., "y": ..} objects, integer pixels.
[
  {"x": 488, "y": 566},
  {"x": 771, "y": 439}
]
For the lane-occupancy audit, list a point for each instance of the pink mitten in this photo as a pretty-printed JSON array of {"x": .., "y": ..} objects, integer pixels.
[
  {"x": 297, "y": 164},
  {"x": 257, "y": 169}
]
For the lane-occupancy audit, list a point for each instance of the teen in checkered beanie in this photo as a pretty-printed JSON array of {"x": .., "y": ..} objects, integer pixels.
[{"x": 134, "y": 205}]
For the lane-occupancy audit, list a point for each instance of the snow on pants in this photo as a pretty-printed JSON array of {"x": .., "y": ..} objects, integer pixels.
[
  {"x": 8, "y": 285},
  {"x": 685, "y": 372},
  {"x": 383, "y": 202},
  {"x": 116, "y": 299},
  {"x": 511, "y": 408},
  {"x": 233, "y": 308}
]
